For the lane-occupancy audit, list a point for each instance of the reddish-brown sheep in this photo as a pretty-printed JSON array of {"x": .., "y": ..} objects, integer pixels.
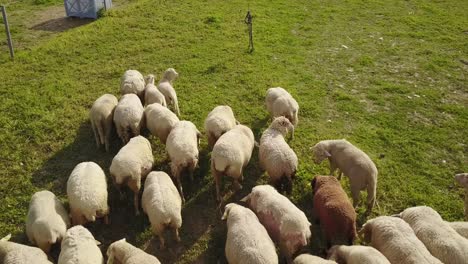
[{"x": 334, "y": 211}]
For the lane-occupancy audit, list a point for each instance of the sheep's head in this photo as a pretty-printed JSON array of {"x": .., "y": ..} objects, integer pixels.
[
  {"x": 282, "y": 124},
  {"x": 111, "y": 250},
  {"x": 366, "y": 232},
  {"x": 320, "y": 153},
  {"x": 227, "y": 210},
  {"x": 462, "y": 179},
  {"x": 149, "y": 79},
  {"x": 319, "y": 180},
  {"x": 170, "y": 74}
]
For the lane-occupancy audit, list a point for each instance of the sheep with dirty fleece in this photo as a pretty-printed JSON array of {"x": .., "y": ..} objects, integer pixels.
[
  {"x": 166, "y": 88},
  {"x": 437, "y": 235},
  {"x": 220, "y": 120},
  {"x": 47, "y": 220},
  {"x": 131, "y": 165},
  {"x": 462, "y": 180},
  {"x": 182, "y": 147},
  {"x": 395, "y": 239},
  {"x": 311, "y": 259},
  {"x": 356, "y": 255},
  {"x": 160, "y": 121},
  {"x": 247, "y": 240},
  {"x": 230, "y": 155},
  {"x": 122, "y": 252},
  {"x": 280, "y": 103},
  {"x": 101, "y": 116},
  {"x": 132, "y": 82},
  {"x": 286, "y": 224},
  {"x": 353, "y": 163},
  {"x": 334, "y": 210},
  {"x": 163, "y": 205},
  {"x": 152, "y": 94},
  {"x": 14, "y": 253},
  {"x": 128, "y": 117},
  {"x": 87, "y": 193},
  {"x": 276, "y": 156},
  {"x": 80, "y": 247}
]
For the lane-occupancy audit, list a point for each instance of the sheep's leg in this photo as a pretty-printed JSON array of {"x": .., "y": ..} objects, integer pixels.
[
  {"x": 211, "y": 140},
  {"x": 76, "y": 216},
  {"x": 217, "y": 178},
  {"x": 179, "y": 184},
  {"x": 108, "y": 131},
  {"x": 236, "y": 185},
  {"x": 106, "y": 219},
  {"x": 333, "y": 168},
  {"x": 177, "y": 236},
  {"x": 285, "y": 253},
  {"x": 135, "y": 186},
  {"x": 340, "y": 173},
  {"x": 96, "y": 136},
  {"x": 192, "y": 167},
  {"x": 355, "y": 193},
  {"x": 161, "y": 242},
  {"x": 176, "y": 105},
  {"x": 371, "y": 196}
]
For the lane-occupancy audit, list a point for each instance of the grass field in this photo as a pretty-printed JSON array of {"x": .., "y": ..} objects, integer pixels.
[{"x": 389, "y": 76}]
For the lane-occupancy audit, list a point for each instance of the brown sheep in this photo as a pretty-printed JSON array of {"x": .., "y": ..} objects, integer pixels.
[{"x": 334, "y": 210}]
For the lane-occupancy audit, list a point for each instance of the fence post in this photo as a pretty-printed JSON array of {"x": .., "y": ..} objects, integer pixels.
[{"x": 7, "y": 29}]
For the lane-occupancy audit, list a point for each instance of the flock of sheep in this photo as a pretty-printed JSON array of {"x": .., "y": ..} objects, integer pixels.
[{"x": 262, "y": 220}]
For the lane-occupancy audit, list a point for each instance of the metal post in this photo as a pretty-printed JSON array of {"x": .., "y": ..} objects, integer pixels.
[
  {"x": 7, "y": 29},
  {"x": 105, "y": 5}
]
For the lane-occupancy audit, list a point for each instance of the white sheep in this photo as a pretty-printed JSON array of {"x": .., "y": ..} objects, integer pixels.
[
  {"x": 123, "y": 252},
  {"x": 182, "y": 147},
  {"x": 220, "y": 120},
  {"x": 79, "y": 246},
  {"x": 462, "y": 180},
  {"x": 311, "y": 259},
  {"x": 47, "y": 220},
  {"x": 395, "y": 239},
  {"x": 231, "y": 154},
  {"x": 131, "y": 165},
  {"x": 460, "y": 227},
  {"x": 166, "y": 88},
  {"x": 275, "y": 155},
  {"x": 353, "y": 163},
  {"x": 280, "y": 103},
  {"x": 14, "y": 253},
  {"x": 163, "y": 204},
  {"x": 437, "y": 235},
  {"x": 356, "y": 255},
  {"x": 87, "y": 193},
  {"x": 247, "y": 240},
  {"x": 160, "y": 121},
  {"x": 101, "y": 116},
  {"x": 152, "y": 94},
  {"x": 128, "y": 117},
  {"x": 132, "y": 82},
  {"x": 287, "y": 225}
]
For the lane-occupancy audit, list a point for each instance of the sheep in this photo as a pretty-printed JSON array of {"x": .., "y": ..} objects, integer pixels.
[
  {"x": 166, "y": 88},
  {"x": 247, "y": 240},
  {"x": 351, "y": 162},
  {"x": 47, "y": 220},
  {"x": 439, "y": 238},
  {"x": 460, "y": 227},
  {"x": 287, "y": 225},
  {"x": 182, "y": 147},
  {"x": 220, "y": 120},
  {"x": 311, "y": 259},
  {"x": 132, "y": 82},
  {"x": 231, "y": 154},
  {"x": 333, "y": 209},
  {"x": 462, "y": 180},
  {"x": 160, "y": 121},
  {"x": 395, "y": 239},
  {"x": 79, "y": 246},
  {"x": 87, "y": 193},
  {"x": 125, "y": 253},
  {"x": 356, "y": 255},
  {"x": 275, "y": 155},
  {"x": 14, "y": 253},
  {"x": 280, "y": 103},
  {"x": 128, "y": 117},
  {"x": 131, "y": 165},
  {"x": 152, "y": 94},
  {"x": 101, "y": 117},
  {"x": 162, "y": 203}
]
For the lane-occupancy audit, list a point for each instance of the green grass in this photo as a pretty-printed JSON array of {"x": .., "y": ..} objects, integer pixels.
[{"x": 386, "y": 75}]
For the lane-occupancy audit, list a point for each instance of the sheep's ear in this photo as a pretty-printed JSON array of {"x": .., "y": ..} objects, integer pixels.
[
  {"x": 327, "y": 154},
  {"x": 97, "y": 242},
  {"x": 246, "y": 199},
  {"x": 6, "y": 238},
  {"x": 226, "y": 212},
  {"x": 237, "y": 122},
  {"x": 256, "y": 144}
]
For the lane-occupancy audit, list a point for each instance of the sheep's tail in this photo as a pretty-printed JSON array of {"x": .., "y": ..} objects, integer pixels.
[{"x": 6, "y": 238}]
